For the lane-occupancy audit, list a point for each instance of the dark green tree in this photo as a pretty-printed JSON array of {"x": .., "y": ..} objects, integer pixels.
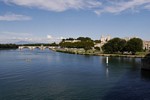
[
  {"x": 134, "y": 45},
  {"x": 97, "y": 41},
  {"x": 84, "y": 39},
  {"x": 86, "y": 43},
  {"x": 8, "y": 46},
  {"x": 114, "y": 45},
  {"x": 70, "y": 39}
]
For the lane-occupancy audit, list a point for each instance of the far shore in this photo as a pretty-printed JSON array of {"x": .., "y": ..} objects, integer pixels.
[
  {"x": 122, "y": 55},
  {"x": 97, "y": 53},
  {"x": 92, "y": 52}
]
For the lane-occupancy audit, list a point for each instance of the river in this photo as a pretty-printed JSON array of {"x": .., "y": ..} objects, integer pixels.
[{"x": 48, "y": 75}]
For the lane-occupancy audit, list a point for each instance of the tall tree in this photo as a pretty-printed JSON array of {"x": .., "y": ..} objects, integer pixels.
[
  {"x": 134, "y": 45},
  {"x": 114, "y": 45}
]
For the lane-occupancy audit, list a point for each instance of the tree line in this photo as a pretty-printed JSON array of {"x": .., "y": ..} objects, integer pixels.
[
  {"x": 14, "y": 46},
  {"x": 117, "y": 45},
  {"x": 8, "y": 46},
  {"x": 85, "y": 42}
]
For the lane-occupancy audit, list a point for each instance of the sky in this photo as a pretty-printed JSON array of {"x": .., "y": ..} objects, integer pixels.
[{"x": 47, "y": 21}]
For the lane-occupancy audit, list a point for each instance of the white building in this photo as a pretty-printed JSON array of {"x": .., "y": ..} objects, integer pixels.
[
  {"x": 146, "y": 45},
  {"x": 72, "y": 41},
  {"x": 103, "y": 39}
]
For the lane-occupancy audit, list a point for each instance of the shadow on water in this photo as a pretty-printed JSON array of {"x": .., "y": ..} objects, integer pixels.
[
  {"x": 145, "y": 72},
  {"x": 120, "y": 62},
  {"x": 145, "y": 75},
  {"x": 130, "y": 86}
]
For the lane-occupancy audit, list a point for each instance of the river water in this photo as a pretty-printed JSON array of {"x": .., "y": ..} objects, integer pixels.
[{"x": 48, "y": 75}]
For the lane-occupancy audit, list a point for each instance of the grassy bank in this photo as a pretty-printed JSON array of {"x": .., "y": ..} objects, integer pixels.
[
  {"x": 123, "y": 55},
  {"x": 98, "y": 53}
]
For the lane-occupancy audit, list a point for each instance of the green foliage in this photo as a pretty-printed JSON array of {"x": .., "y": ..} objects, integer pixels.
[
  {"x": 53, "y": 44},
  {"x": 97, "y": 41},
  {"x": 86, "y": 43},
  {"x": 120, "y": 45},
  {"x": 97, "y": 48},
  {"x": 114, "y": 45},
  {"x": 134, "y": 45},
  {"x": 8, "y": 46},
  {"x": 70, "y": 39},
  {"x": 84, "y": 39}
]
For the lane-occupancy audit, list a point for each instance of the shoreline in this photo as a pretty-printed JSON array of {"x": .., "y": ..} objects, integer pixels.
[
  {"x": 100, "y": 54},
  {"x": 119, "y": 55},
  {"x": 90, "y": 53}
]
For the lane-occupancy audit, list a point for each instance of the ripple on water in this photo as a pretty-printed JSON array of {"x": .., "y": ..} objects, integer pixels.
[{"x": 46, "y": 75}]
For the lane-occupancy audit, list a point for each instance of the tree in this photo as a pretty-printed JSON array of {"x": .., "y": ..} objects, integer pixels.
[
  {"x": 114, "y": 45},
  {"x": 122, "y": 45},
  {"x": 8, "y": 46},
  {"x": 97, "y": 41},
  {"x": 70, "y": 39},
  {"x": 84, "y": 39},
  {"x": 97, "y": 48},
  {"x": 53, "y": 44},
  {"x": 134, "y": 45},
  {"x": 86, "y": 43}
]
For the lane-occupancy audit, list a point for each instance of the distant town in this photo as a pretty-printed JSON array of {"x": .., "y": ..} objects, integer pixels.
[{"x": 85, "y": 45}]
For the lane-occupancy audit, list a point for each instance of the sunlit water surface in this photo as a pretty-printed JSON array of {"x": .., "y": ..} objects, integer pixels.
[{"x": 48, "y": 75}]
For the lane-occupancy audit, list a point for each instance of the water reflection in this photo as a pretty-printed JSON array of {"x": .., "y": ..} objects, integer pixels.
[
  {"x": 48, "y": 75},
  {"x": 122, "y": 62},
  {"x": 107, "y": 72},
  {"x": 28, "y": 60}
]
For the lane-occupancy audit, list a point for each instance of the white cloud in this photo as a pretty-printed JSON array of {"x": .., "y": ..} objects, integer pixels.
[
  {"x": 19, "y": 34},
  {"x": 118, "y": 6},
  {"x": 49, "y": 36},
  {"x": 56, "y": 5},
  {"x": 62, "y": 38},
  {"x": 147, "y": 7},
  {"x": 14, "y": 37},
  {"x": 14, "y": 17},
  {"x": 97, "y": 6},
  {"x": 15, "y": 33}
]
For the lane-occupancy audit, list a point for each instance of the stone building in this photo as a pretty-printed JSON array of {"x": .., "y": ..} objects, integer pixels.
[
  {"x": 146, "y": 45},
  {"x": 103, "y": 39},
  {"x": 72, "y": 41}
]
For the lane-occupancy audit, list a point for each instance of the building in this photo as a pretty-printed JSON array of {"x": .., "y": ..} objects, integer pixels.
[
  {"x": 103, "y": 39},
  {"x": 146, "y": 45},
  {"x": 72, "y": 41}
]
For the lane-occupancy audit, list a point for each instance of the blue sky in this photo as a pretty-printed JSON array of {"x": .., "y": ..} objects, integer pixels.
[{"x": 51, "y": 20}]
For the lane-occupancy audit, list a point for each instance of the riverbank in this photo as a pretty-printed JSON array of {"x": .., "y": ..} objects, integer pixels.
[
  {"x": 122, "y": 55},
  {"x": 98, "y": 53}
]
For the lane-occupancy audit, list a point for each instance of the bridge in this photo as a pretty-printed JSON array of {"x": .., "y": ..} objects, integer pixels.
[{"x": 34, "y": 47}]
